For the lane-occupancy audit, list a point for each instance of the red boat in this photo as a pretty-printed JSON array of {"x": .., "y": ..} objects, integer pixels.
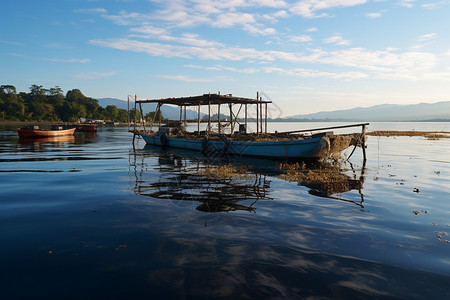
[
  {"x": 35, "y": 132},
  {"x": 86, "y": 128}
]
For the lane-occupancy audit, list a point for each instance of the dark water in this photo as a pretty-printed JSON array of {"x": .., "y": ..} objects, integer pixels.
[{"x": 89, "y": 217}]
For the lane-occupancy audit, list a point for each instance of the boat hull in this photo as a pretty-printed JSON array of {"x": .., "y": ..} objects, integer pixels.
[
  {"x": 25, "y": 132},
  {"x": 290, "y": 149},
  {"x": 86, "y": 128}
]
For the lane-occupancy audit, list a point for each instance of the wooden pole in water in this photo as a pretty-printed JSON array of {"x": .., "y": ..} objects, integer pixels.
[
  {"x": 135, "y": 113},
  {"x": 245, "y": 117},
  {"x": 198, "y": 119},
  {"x": 364, "y": 141},
  {"x": 209, "y": 116},
  {"x": 142, "y": 115},
  {"x": 260, "y": 114},
  {"x": 160, "y": 116},
  {"x": 128, "y": 100},
  {"x": 265, "y": 127},
  {"x": 257, "y": 113},
  {"x": 218, "y": 117},
  {"x": 185, "y": 116},
  {"x": 231, "y": 118}
]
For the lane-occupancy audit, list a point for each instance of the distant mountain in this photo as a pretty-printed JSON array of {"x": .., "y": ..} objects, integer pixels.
[
  {"x": 170, "y": 112},
  {"x": 385, "y": 112}
]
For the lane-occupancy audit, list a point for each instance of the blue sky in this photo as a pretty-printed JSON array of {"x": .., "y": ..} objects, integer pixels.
[{"x": 306, "y": 55}]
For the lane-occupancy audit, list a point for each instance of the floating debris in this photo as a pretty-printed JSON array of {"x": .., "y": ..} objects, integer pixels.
[
  {"x": 223, "y": 171},
  {"x": 440, "y": 236},
  {"x": 416, "y": 190},
  {"x": 431, "y": 135},
  {"x": 326, "y": 180}
]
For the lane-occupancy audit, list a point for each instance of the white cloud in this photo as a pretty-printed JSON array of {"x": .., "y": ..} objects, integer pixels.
[
  {"x": 258, "y": 30},
  {"x": 90, "y": 11},
  {"x": 310, "y": 8},
  {"x": 437, "y": 5},
  {"x": 389, "y": 63},
  {"x": 307, "y": 73},
  {"x": 161, "y": 34},
  {"x": 269, "y": 3},
  {"x": 232, "y": 19},
  {"x": 428, "y": 37},
  {"x": 406, "y": 3},
  {"x": 375, "y": 15},
  {"x": 425, "y": 40},
  {"x": 336, "y": 39},
  {"x": 301, "y": 38},
  {"x": 281, "y": 14},
  {"x": 312, "y": 29},
  {"x": 150, "y": 30}
]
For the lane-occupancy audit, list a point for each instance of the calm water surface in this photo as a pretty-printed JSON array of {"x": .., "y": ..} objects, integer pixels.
[{"x": 89, "y": 217}]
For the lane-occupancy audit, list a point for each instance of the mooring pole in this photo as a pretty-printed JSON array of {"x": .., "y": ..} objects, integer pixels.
[
  {"x": 245, "y": 117},
  {"x": 142, "y": 115},
  {"x": 209, "y": 116},
  {"x": 218, "y": 117},
  {"x": 231, "y": 118},
  {"x": 257, "y": 113},
  {"x": 135, "y": 113},
  {"x": 261, "y": 114},
  {"x": 198, "y": 119},
  {"x": 364, "y": 141},
  {"x": 265, "y": 127}
]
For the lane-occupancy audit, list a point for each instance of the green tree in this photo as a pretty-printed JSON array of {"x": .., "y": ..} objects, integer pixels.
[
  {"x": 122, "y": 116},
  {"x": 12, "y": 106},
  {"x": 112, "y": 112}
]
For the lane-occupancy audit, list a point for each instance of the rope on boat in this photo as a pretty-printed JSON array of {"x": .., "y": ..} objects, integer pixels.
[{"x": 358, "y": 142}]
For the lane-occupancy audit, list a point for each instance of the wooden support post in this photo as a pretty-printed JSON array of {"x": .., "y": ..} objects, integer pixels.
[
  {"x": 209, "y": 116},
  {"x": 142, "y": 115},
  {"x": 257, "y": 113},
  {"x": 181, "y": 114},
  {"x": 260, "y": 114},
  {"x": 218, "y": 118},
  {"x": 265, "y": 127},
  {"x": 198, "y": 119},
  {"x": 185, "y": 125},
  {"x": 135, "y": 114},
  {"x": 160, "y": 116},
  {"x": 363, "y": 146},
  {"x": 245, "y": 117},
  {"x": 128, "y": 100},
  {"x": 231, "y": 118}
]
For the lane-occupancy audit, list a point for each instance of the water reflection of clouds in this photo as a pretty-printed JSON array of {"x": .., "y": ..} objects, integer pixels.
[{"x": 232, "y": 268}]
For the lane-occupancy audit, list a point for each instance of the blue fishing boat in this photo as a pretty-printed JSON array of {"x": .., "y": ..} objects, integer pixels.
[{"x": 220, "y": 140}]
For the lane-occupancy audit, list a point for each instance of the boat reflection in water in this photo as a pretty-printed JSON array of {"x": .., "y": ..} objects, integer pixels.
[
  {"x": 49, "y": 139},
  {"x": 226, "y": 184}
]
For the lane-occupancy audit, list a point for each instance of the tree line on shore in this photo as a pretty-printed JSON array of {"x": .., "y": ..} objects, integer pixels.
[{"x": 42, "y": 104}]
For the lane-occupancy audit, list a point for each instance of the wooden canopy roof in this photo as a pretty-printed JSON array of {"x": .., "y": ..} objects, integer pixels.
[{"x": 203, "y": 100}]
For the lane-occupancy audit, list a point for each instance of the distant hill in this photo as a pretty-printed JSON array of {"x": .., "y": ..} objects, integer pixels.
[
  {"x": 386, "y": 112},
  {"x": 170, "y": 112}
]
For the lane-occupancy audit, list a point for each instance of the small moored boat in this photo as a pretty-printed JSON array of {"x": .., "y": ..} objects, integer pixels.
[
  {"x": 86, "y": 128},
  {"x": 290, "y": 145},
  {"x": 35, "y": 132}
]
